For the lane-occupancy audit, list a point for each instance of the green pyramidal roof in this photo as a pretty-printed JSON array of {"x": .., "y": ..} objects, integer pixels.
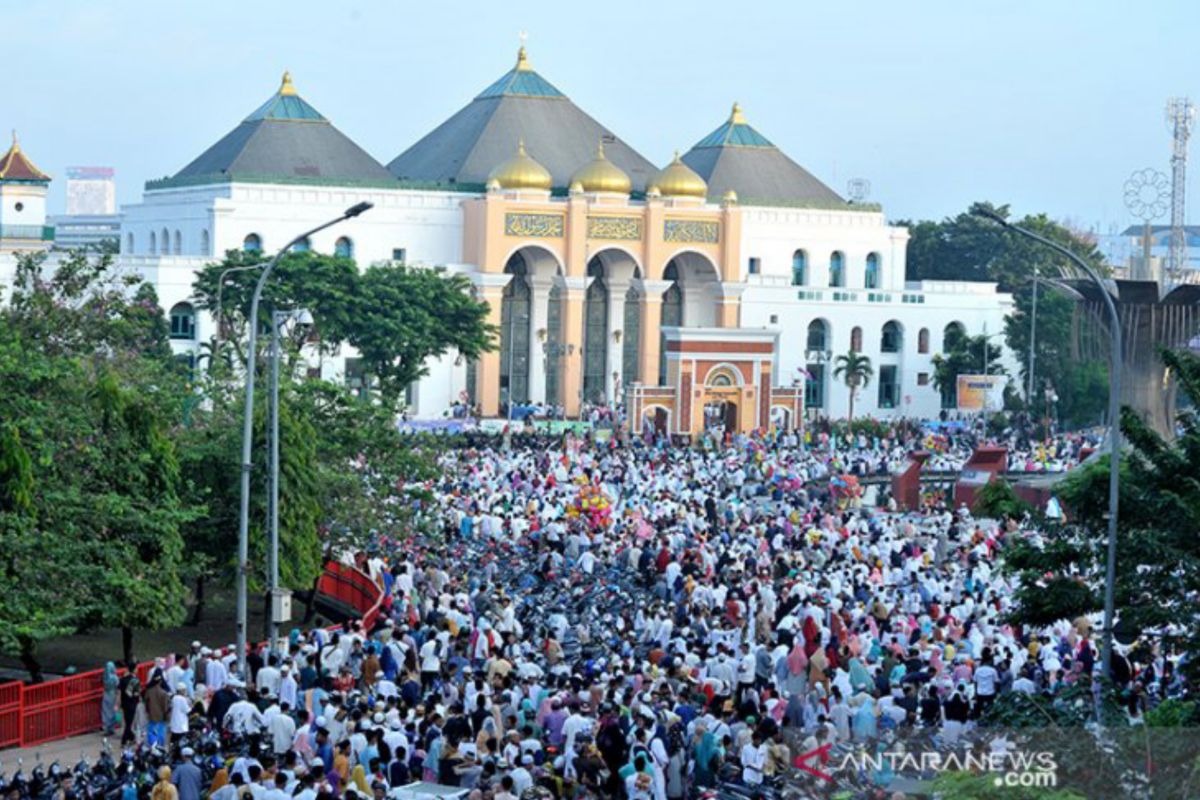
[
  {"x": 286, "y": 105},
  {"x": 520, "y": 106},
  {"x": 734, "y": 132},
  {"x": 521, "y": 81},
  {"x": 286, "y": 139},
  {"x": 737, "y": 158}
]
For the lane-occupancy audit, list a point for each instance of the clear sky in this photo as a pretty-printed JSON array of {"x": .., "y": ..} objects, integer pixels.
[{"x": 1045, "y": 104}]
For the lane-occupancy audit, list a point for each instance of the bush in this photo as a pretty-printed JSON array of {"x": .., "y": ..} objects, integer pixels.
[{"x": 997, "y": 500}]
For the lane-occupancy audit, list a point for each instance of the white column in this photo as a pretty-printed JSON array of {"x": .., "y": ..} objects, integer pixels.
[
  {"x": 616, "y": 322},
  {"x": 539, "y": 315}
]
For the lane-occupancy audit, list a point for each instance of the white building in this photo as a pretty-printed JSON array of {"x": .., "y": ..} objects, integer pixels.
[{"x": 573, "y": 250}]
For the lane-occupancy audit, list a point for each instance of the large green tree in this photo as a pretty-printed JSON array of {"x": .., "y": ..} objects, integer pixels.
[
  {"x": 968, "y": 247},
  {"x": 90, "y": 511},
  {"x": 397, "y": 317}
]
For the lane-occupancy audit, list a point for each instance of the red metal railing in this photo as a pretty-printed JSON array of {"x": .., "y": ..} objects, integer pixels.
[{"x": 58, "y": 709}]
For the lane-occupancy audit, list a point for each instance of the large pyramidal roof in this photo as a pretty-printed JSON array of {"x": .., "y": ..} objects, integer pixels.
[
  {"x": 737, "y": 157},
  {"x": 286, "y": 139},
  {"x": 521, "y": 105}
]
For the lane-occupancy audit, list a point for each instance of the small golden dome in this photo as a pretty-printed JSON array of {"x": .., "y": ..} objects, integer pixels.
[
  {"x": 736, "y": 117},
  {"x": 679, "y": 180},
  {"x": 575, "y": 188},
  {"x": 493, "y": 185},
  {"x": 601, "y": 175},
  {"x": 654, "y": 191},
  {"x": 521, "y": 172},
  {"x": 730, "y": 197},
  {"x": 285, "y": 86}
]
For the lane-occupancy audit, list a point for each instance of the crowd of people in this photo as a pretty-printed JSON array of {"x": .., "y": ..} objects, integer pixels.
[{"x": 625, "y": 620}]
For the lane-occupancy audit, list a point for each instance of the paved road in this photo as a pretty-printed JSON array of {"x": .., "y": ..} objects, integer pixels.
[{"x": 65, "y": 751}]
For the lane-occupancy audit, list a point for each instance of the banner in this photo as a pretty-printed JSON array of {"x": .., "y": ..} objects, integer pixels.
[{"x": 980, "y": 392}]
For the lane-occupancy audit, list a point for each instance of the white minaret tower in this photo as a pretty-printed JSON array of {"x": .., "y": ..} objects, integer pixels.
[{"x": 23, "y": 202}]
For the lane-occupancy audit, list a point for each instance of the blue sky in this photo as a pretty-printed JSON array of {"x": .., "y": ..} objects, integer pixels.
[{"x": 1047, "y": 105}]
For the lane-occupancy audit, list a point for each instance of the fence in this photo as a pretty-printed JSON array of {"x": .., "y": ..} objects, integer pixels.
[{"x": 44, "y": 712}]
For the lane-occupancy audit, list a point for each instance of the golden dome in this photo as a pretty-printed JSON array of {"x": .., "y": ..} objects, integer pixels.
[
  {"x": 730, "y": 197},
  {"x": 679, "y": 180},
  {"x": 285, "y": 87},
  {"x": 521, "y": 172},
  {"x": 653, "y": 192},
  {"x": 601, "y": 175}
]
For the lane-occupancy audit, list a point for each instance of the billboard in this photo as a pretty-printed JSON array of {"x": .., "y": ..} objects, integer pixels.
[{"x": 980, "y": 392}]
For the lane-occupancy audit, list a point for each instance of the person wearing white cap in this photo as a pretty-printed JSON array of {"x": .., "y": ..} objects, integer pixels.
[
  {"x": 180, "y": 705},
  {"x": 215, "y": 674},
  {"x": 282, "y": 729}
]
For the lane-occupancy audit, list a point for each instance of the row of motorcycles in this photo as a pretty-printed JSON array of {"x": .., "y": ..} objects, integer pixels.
[{"x": 131, "y": 777}]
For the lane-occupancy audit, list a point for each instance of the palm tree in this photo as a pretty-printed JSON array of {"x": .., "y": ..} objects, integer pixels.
[{"x": 855, "y": 368}]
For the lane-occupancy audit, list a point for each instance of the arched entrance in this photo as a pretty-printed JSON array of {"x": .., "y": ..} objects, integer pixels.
[
  {"x": 722, "y": 393},
  {"x": 720, "y": 416},
  {"x": 595, "y": 336},
  {"x": 781, "y": 418},
  {"x": 514, "y": 335},
  {"x": 655, "y": 420},
  {"x": 528, "y": 323},
  {"x": 612, "y": 325}
]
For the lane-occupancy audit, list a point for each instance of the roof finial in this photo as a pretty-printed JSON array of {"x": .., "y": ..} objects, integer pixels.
[
  {"x": 286, "y": 88},
  {"x": 16, "y": 146},
  {"x": 736, "y": 117},
  {"x": 521, "y": 146},
  {"x": 600, "y": 149},
  {"x": 522, "y": 59}
]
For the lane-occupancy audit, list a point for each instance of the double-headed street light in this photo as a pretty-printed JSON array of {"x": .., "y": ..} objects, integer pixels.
[
  {"x": 1114, "y": 423},
  {"x": 243, "y": 565}
]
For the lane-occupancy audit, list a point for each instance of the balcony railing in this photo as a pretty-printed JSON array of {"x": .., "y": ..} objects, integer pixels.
[{"x": 42, "y": 233}]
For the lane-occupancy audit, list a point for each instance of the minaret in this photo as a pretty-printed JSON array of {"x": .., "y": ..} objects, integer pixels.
[{"x": 23, "y": 202}]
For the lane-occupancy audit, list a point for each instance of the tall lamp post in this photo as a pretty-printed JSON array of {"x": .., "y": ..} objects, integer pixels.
[
  {"x": 220, "y": 308},
  {"x": 248, "y": 431},
  {"x": 1114, "y": 424}
]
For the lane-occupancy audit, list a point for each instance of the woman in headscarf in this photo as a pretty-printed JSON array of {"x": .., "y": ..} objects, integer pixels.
[
  {"x": 866, "y": 726},
  {"x": 108, "y": 702},
  {"x": 220, "y": 779},
  {"x": 707, "y": 753},
  {"x": 164, "y": 789},
  {"x": 860, "y": 679},
  {"x": 358, "y": 779}
]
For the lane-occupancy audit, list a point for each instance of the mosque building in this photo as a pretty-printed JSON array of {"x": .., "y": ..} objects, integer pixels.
[{"x": 724, "y": 283}]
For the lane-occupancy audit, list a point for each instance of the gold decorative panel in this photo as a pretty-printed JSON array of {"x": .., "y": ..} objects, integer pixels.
[
  {"x": 691, "y": 230},
  {"x": 537, "y": 225},
  {"x": 628, "y": 228}
]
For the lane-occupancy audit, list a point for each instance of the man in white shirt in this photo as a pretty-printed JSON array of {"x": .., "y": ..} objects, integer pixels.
[
  {"x": 243, "y": 717},
  {"x": 215, "y": 674},
  {"x": 754, "y": 758},
  {"x": 282, "y": 729},
  {"x": 269, "y": 676}
]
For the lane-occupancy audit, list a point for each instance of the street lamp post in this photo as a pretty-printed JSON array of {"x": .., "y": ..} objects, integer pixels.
[
  {"x": 1032, "y": 343},
  {"x": 248, "y": 431},
  {"x": 220, "y": 292},
  {"x": 1114, "y": 425}
]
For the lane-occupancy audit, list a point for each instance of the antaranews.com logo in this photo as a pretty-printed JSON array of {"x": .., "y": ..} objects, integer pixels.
[{"x": 1011, "y": 768}]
